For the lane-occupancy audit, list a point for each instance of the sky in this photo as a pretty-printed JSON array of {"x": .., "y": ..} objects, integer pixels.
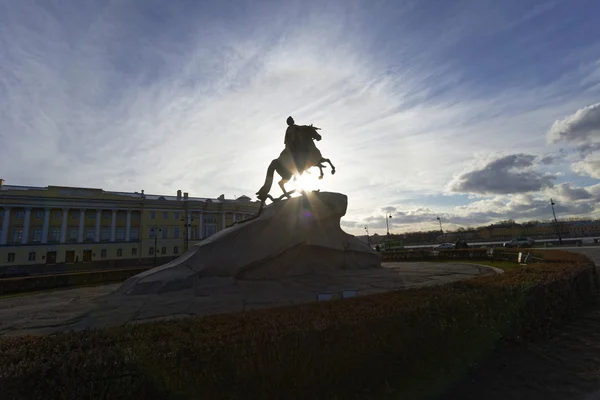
[{"x": 474, "y": 111}]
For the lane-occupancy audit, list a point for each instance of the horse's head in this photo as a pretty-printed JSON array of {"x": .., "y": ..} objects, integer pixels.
[{"x": 313, "y": 132}]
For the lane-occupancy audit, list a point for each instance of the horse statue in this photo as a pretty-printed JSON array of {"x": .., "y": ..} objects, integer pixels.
[{"x": 289, "y": 165}]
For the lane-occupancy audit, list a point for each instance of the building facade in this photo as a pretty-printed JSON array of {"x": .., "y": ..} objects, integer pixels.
[{"x": 42, "y": 227}]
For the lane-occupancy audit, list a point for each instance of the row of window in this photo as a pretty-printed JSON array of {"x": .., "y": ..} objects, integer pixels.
[
  {"x": 90, "y": 234},
  {"x": 103, "y": 253},
  {"x": 162, "y": 250},
  {"x": 163, "y": 232},
  {"x": 208, "y": 218},
  {"x": 121, "y": 215},
  {"x": 39, "y": 214},
  {"x": 165, "y": 215}
]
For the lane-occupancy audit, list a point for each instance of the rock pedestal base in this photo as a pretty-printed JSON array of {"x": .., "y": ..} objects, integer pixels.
[{"x": 298, "y": 236}]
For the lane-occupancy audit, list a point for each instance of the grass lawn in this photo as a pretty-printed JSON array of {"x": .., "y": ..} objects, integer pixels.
[{"x": 503, "y": 265}]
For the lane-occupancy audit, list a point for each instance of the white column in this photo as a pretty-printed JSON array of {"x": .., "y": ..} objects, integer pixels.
[
  {"x": 98, "y": 219},
  {"x": 113, "y": 226},
  {"x": 128, "y": 228},
  {"x": 200, "y": 228},
  {"x": 25, "y": 236},
  {"x": 5, "y": 221},
  {"x": 46, "y": 225},
  {"x": 63, "y": 226},
  {"x": 81, "y": 225},
  {"x": 223, "y": 218}
]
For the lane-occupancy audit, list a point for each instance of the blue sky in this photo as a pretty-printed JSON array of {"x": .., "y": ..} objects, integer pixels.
[{"x": 471, "y": 110}]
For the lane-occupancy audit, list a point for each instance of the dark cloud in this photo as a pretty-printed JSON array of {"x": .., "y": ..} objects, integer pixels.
[
  {"x": 349, "y": 224},
  {"x": 569, "y": 200},
  {"x": 555, "y": 158},
  {"x": 513, "y": 173},
  {"x": 588, "y": 148},
  {"x": 567, "y": 192},
  {"x": 580, "y": 127}
]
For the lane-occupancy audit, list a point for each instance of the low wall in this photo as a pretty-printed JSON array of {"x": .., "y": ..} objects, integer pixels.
[
  {"x": 411, "y": 343},
  {"x": 60, "y": 268}
]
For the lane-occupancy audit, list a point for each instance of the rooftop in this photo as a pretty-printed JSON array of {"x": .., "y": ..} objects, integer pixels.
[{"x": 73, "y": 189}]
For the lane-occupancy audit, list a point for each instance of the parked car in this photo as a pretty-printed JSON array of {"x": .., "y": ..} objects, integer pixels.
[
  {"x": 445, "y": 246},
  {"x": 13, "y": 272},
  {"x": 520, "y": 242}
]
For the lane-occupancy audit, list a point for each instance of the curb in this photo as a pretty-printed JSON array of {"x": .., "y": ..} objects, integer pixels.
[{"x": 482, "y": 267}]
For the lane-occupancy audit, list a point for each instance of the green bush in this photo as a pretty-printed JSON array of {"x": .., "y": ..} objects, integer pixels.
[
  {"x": 42, "y": 282},
  {"x": 468, "y": 254},
  {"x": 416, "y": 340}
]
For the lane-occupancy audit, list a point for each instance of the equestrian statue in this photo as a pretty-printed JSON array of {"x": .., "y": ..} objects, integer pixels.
[{"x": 299, "y": 155}]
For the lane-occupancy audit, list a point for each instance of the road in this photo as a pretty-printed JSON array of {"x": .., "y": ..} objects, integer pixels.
[
  {"x": 570, "y": 241},
  {"x": 592, "y": 252}
]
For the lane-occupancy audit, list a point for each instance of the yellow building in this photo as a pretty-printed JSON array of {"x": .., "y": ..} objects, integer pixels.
[{"x": 44, "y": 228}]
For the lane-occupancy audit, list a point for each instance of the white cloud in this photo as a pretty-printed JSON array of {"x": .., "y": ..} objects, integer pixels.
[
  {"x": 590, "y": 166},
  {"x": 581, "y": 127}
]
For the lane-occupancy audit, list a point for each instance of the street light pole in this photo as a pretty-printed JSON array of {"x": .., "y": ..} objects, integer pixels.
[
  {"x": 388, "y": 216},
  {"x": 188, "y": 223},
  {"x": 441, "y": 229},
  {"x": 556, "y": 222},
  {"x": 368, "y": 239},
  {"x": 155, "y": 231}
]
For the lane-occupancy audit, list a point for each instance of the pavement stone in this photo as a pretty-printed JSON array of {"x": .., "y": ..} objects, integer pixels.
[{"x": 101, "y": 306}]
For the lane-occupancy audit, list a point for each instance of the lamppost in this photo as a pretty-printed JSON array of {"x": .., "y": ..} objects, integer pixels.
[
  {"x": 155, "y": 232},
  {"x": 368, "y": 239},
  {"x": 441, "y": 229},
  {"x": 188, "y": 223},
  {"x": 388, "y": 216},
  {"x": 556, "y": 222}
]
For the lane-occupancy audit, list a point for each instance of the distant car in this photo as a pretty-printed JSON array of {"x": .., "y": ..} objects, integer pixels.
[
  {"x": 445, "y": 246},
  {"x": 13, "y": 272},
  {"x": 520, "y": 242}
]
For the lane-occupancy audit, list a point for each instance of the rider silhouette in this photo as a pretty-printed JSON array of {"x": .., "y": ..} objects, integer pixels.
[{"x": 296, "y": 144}]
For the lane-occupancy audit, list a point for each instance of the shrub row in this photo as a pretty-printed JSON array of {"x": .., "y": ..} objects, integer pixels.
[
  {"x": 414, "y": 341},
  {"x": 42, "y": 282},
  {"x": 460, "y": 254}
]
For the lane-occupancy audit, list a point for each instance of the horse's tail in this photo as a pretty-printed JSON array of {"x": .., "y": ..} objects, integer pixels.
[{"x": 266, "y": 188}]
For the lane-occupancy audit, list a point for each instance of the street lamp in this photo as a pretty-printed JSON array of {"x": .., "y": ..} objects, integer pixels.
[
  {"x": 188, "y": 223},
  {"x": 388, "y": 216},
  {"x": 155, "y": 231},
  {"x": 441, "y": 229},
  {"x": 556, "y": 222},
  {"x": 368, "y": 239}
]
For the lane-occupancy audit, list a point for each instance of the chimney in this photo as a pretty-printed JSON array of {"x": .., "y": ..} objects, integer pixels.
[
  {"x": 185, "y": 195},
  {"x": 1, "y": 182},
  {"x": 142, "y": 191},
  {"x": 178, "y": 194}
]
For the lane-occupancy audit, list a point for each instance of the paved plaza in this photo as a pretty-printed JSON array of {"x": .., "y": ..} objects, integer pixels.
[{"x": 98, "y": 307}]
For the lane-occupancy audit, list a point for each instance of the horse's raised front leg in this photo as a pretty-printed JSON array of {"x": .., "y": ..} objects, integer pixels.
[
  {"x": 329, "y": 162},
  {"x": 321, "y": 171},
  {"x": 282, "y": 183}
]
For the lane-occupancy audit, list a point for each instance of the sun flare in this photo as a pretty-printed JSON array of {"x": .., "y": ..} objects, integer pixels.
[{"x": 307, "y": 182}]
